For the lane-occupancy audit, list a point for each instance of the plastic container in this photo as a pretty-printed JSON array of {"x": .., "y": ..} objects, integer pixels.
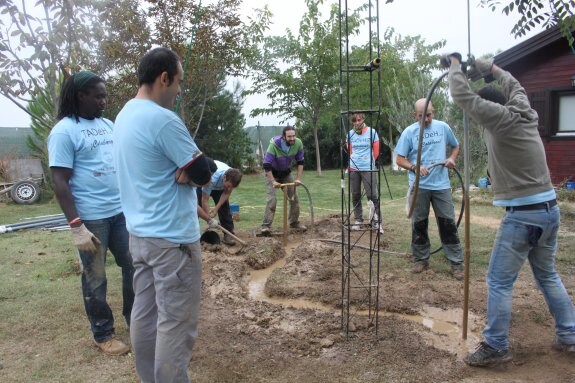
[
  {"x": 570, "y": 185},
  {"x": 235, "y": 210},
  {"x": 483, "y": 183}
]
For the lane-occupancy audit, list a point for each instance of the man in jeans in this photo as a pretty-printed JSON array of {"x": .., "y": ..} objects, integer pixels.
[
  {"x": 521, "y": 183},
  {"x": 281, "y": 153},
  {"x": 434, "y": 187},
  {"x": 156, "y": 160},
  {"x": 81, "y": 163}
]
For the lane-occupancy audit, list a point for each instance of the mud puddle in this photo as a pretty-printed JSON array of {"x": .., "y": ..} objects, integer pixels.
[{"x": 444, "y": 325}]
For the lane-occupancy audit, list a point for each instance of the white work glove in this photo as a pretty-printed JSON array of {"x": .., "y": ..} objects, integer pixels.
[
  {"x": 483, "y": 66},
  {"x": 84, "y": 239},
  {"x": 213, "y": 223}
]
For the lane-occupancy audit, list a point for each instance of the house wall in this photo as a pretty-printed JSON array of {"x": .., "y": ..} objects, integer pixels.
[{"x": 550, "y": 68}]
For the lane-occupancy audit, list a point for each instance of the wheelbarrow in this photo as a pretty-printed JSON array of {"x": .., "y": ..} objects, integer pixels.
[{"x": 22, "y": 192}]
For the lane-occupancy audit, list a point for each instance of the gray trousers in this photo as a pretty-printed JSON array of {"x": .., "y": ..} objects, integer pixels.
[
  {"x": 368, "y": 178},
  {"x": 167, "y": 284},
  {"x": 272, "y": 201},
  {"x": 442, "y": 203}
]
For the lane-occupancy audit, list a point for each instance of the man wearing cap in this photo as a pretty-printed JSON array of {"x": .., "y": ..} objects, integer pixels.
[
  {"x": 521, "y": 184},
  {"x": 82, "y": 167},
  {"x": 159, "y": 167}
]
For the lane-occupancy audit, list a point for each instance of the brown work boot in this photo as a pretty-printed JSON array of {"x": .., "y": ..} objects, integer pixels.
[
  {"x": 418, "y": 267},
  {"x": 228, "y": 240},
  {"x": 457, "y": 273},
  {"x": 113, "y": 347},
  {"x": 298, "y": 227}
]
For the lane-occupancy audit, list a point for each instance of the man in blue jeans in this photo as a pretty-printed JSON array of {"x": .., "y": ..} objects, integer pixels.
[
  {"x": 521, "y": 183},
  {"x": 81, "y": 163}
]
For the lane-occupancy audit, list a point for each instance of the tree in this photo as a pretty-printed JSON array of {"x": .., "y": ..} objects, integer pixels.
[
  {"x": 36, "y": 42},
  {"x": 221, "y": 135},
  {"x": 299, "y": 73},
  {"x": 547, "y": 13},
  {"x": 213, "y": 43}
]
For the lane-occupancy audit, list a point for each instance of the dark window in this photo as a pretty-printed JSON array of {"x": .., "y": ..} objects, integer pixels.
[{"x": 538, "y": 102}]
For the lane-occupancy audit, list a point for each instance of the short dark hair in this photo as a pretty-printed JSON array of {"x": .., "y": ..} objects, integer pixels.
[
  {"x": 490, "y": 93},
  {"x": 289, "y": 127},
  {"x": 156, "y": 62},
  {"x": 234, "y": 176}
]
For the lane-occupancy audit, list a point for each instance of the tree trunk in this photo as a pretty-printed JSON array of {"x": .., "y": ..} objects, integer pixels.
[{"x": 316, "y": 142}]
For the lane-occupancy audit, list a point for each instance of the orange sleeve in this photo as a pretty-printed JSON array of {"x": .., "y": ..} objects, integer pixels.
[{"x": 376, "y": 149}]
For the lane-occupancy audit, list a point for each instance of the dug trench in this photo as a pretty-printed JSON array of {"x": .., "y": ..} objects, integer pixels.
[{"x": 273, "y": 314}]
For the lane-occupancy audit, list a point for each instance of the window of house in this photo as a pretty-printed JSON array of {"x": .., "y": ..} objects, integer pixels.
[{"x": 566, "y": 114}]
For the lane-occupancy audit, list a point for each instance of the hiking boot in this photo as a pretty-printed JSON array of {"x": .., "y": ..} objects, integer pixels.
[
  {"x": 418, "y": 267},
  {"x": 485, "y": 355},
  {"x": 457, "y": 273},
  {"x": 298, "y": 226},
  {"x": 357, "y": 225},
  {"x": 228, "y": 240},
  {"x": 562, "y": 347},
  {"x": 113, "y": 347},
  {"x": 265, "y": 231}
]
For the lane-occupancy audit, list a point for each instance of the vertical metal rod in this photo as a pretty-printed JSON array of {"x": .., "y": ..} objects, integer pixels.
[
  {"x": 466, "y": 161},
  {"x": 285, "y": 237}
]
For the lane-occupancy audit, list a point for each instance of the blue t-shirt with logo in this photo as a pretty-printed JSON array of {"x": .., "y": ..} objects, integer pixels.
[
  {"x": 85, "y": 146},
  {"x": 150, "y": 144},
  {"x": 436, "y": 138},
  {"x": 217, "y": 180},
  {"x": 361, "y": 148}
]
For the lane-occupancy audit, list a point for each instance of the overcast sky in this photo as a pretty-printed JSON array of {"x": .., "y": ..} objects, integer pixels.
[{"x": 434, "y": 20}]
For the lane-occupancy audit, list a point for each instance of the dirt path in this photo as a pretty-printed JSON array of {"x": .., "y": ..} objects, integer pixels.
[{"x": 285, "y": 325}]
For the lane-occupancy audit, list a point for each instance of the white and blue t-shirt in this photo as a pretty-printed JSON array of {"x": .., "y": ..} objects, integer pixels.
[
  {"x": 217, "y": 180},
  {"x": 150, "y": 144},
  {"x": 436, "y": 138},
  {"x": 361, "y": 147},
  {"x": 86, "y": 148}
]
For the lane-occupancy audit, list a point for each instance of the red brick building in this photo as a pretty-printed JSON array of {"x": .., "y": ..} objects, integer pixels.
[{"x": 545, "y": 66}]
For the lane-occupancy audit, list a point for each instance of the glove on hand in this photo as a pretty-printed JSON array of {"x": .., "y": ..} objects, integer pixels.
[
  {"x": 445, "y": 60},
  {"x": 84, "y": 239},
  {"x": 483, "y": 66},
  {"x": 213, "y": 223}
]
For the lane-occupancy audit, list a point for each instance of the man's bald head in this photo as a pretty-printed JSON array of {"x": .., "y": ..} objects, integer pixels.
[{"x": 419, "y": 106}]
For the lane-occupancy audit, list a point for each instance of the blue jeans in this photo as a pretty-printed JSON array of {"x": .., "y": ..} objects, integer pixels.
[
  {"x": 114, "y": 236},
  {"x": 532, "y": 235}
]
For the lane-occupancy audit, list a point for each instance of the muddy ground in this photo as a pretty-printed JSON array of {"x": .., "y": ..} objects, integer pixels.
[{"x": 285, "y": 325}]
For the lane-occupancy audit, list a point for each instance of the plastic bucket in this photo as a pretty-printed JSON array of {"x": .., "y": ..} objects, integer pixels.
[
  {"x": 235, "y": 211},
  {"x": 483, "y": 183},
  {"x": 570, "y": 185}
]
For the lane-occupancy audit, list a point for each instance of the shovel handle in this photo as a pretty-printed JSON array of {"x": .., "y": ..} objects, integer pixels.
[{"x": 231, "y": 234}]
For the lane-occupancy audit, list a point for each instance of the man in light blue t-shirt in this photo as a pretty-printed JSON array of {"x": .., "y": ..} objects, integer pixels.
[
  {"x": 434, "y": 187},
  {"x": 157, "y": 159},
  {"x": 82, "y": 167},
  {"x": 223, "y": 182}
]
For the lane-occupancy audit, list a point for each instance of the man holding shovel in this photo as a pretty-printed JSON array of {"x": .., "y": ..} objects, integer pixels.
[
  {"x": 281, "y": 153},
  {"x": 223, "y": 182}
]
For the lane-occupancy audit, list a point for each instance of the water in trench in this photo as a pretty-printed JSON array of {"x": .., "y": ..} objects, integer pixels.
[{"x": 444, "y": 325}]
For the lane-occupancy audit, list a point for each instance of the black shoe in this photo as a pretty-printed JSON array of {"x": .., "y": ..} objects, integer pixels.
[
  {"x": 562, "y": 347},
  {"x": 228, "y": 240},
  {"x": 485, "y": 355}
]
